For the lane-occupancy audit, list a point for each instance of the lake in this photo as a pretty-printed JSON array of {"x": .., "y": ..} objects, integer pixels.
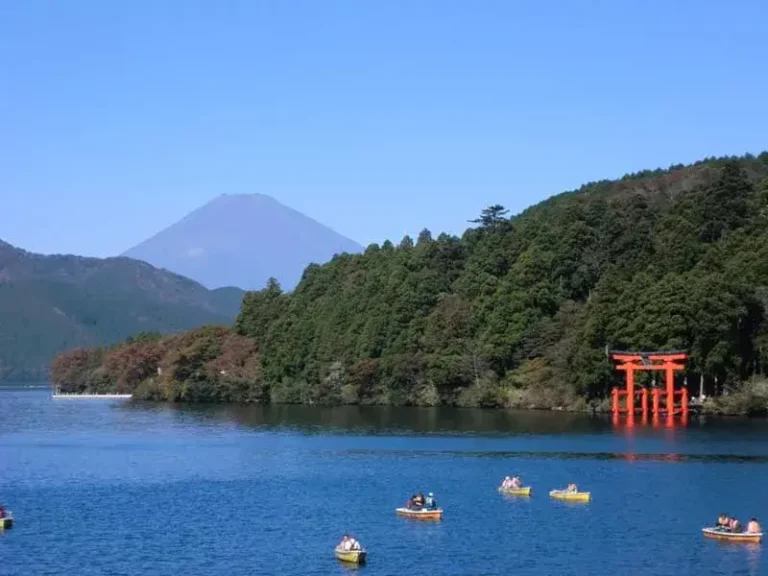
[{"x": 112, "y": 487}]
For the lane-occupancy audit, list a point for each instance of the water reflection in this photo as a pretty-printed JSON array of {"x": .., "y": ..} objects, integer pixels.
[
  {"x": 568, "y": 455},
  {"x": 571, "y": 503},
  {"x": 629, "y": 423},
  {"x": 735, "y": 552},
  {"x": 388, "y": 420},
  {"x": 727, "y": 440},
  {"x": 346, "y": 567},
  {"x": 753, "y": 557}
]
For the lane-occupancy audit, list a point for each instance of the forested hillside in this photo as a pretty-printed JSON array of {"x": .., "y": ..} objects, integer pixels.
[
  {"x": 49, "y": 304},
  {"x": 517, "y": 312}
]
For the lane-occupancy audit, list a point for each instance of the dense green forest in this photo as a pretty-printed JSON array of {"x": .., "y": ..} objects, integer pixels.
[
  {"x": 49, "y": 304},
  {"x": 518, "y": 312}
]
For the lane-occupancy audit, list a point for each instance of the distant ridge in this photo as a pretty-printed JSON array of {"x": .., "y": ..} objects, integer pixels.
[
  {"x": 49, "y": 304},
  {"x": 242, "y": 240}
]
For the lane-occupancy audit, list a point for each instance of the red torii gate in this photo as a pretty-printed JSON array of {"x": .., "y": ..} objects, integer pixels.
[{"x": 669, "y": 362}]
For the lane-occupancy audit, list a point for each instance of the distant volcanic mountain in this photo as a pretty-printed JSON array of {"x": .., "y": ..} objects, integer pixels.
[{"x": 241, "y": 240}]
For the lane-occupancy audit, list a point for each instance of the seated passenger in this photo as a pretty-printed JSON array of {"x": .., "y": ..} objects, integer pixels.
[
  {"x": 506, "y": 483},
  {"x": 722, "y": 521},
  {"x": 572, "y": 488},
  {"x": 753, "y": 527},
  {"x": 345, "y": 543},
  {"x": 353, "y": 544},
  {"x": 516, "y": 483},
  {"x": 733, "y": 525},
  {"x": 430, "y": 503},
  {"x": 419, "y": 500}
]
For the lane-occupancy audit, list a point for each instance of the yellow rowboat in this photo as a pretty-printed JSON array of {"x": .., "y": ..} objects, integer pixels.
[
  {"x": 6, "y": 521},
  {"x": 351, "y": 556},
  {"x": 522, "y": 491},
  {"x": 422, "y": 514},
  {"x": 720, "y": 534},
  {"x": 570, "y": 496}
]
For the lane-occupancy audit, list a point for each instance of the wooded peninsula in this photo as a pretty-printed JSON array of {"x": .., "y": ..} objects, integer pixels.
[{"x": 519, "y": 312}]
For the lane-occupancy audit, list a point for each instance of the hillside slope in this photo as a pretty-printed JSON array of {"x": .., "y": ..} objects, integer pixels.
[
  {"x": 52, "y": 303},
  {"x": 518, "y": 312},
  {"x": 242, "y": 240}
]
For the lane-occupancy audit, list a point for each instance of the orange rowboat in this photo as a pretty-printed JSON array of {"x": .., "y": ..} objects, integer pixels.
[
  {"x": 720, "y": 534},
  {"x": 422, "y": 514}
]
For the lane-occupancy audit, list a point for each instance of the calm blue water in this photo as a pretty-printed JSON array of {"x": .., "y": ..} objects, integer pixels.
[{"x": 101, "y": 487}]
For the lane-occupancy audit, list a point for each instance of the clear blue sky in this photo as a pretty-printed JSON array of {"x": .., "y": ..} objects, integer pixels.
[{"x": 377, "y": 118}]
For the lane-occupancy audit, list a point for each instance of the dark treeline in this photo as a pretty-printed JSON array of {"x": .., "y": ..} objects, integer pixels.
[{"x": 518, "y": 312}]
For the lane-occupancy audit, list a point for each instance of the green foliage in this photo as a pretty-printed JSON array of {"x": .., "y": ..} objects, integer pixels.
[
  {"x": 492, "y": 217},
  {"x": 519, "y": 311},
  {"x": 749, "y": 398},
  {"x": 259, "y": 311}
]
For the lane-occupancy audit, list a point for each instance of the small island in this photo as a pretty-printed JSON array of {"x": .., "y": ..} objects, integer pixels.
[{"x": 517, "y": 313}]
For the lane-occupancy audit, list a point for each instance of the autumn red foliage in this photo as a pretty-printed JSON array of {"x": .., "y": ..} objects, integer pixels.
[{"x": 210, "y": 364}]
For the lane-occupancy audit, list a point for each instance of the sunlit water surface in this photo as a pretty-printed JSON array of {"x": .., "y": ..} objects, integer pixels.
[{"x": 116, "y": 488}]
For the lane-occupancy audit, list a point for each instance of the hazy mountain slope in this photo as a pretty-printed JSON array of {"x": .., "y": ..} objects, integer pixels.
[
  {"x": 52, "y": 303},
  {"x": 242, "y": 240}
]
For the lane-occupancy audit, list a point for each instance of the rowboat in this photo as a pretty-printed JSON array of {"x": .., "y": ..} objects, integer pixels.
[
  {"x": 6, "y": 521},
  {"x": 422, "y": 514},
  {"x": 351, "y": 556},
  {"x": 522, "y": 491},
  {"x": 570, "y": 496},
  {"x": 720, "y": 534}
]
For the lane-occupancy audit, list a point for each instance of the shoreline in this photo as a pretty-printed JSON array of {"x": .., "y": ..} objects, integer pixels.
[
  {"x": 694, "y": 411},
  {"x": 92, "y": 396}
]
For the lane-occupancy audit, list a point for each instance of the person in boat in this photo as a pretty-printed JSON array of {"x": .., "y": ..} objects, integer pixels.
[
  {"x": 753, "y": 527},
  {"x": 506, "y": 484},
  {"x": 516, "y": 483},
  {"x": 572, "y": 488},
  {"x": 733, "y": 525},
  {"x": 2, "y": 511},
  {"x": 413, "y": 503},
  {"x": 418, "y": 501},
  {"x": 722, "y": 521},
  {"x": 349, "y": 543},
  {"x": 430, "y": 503}
]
